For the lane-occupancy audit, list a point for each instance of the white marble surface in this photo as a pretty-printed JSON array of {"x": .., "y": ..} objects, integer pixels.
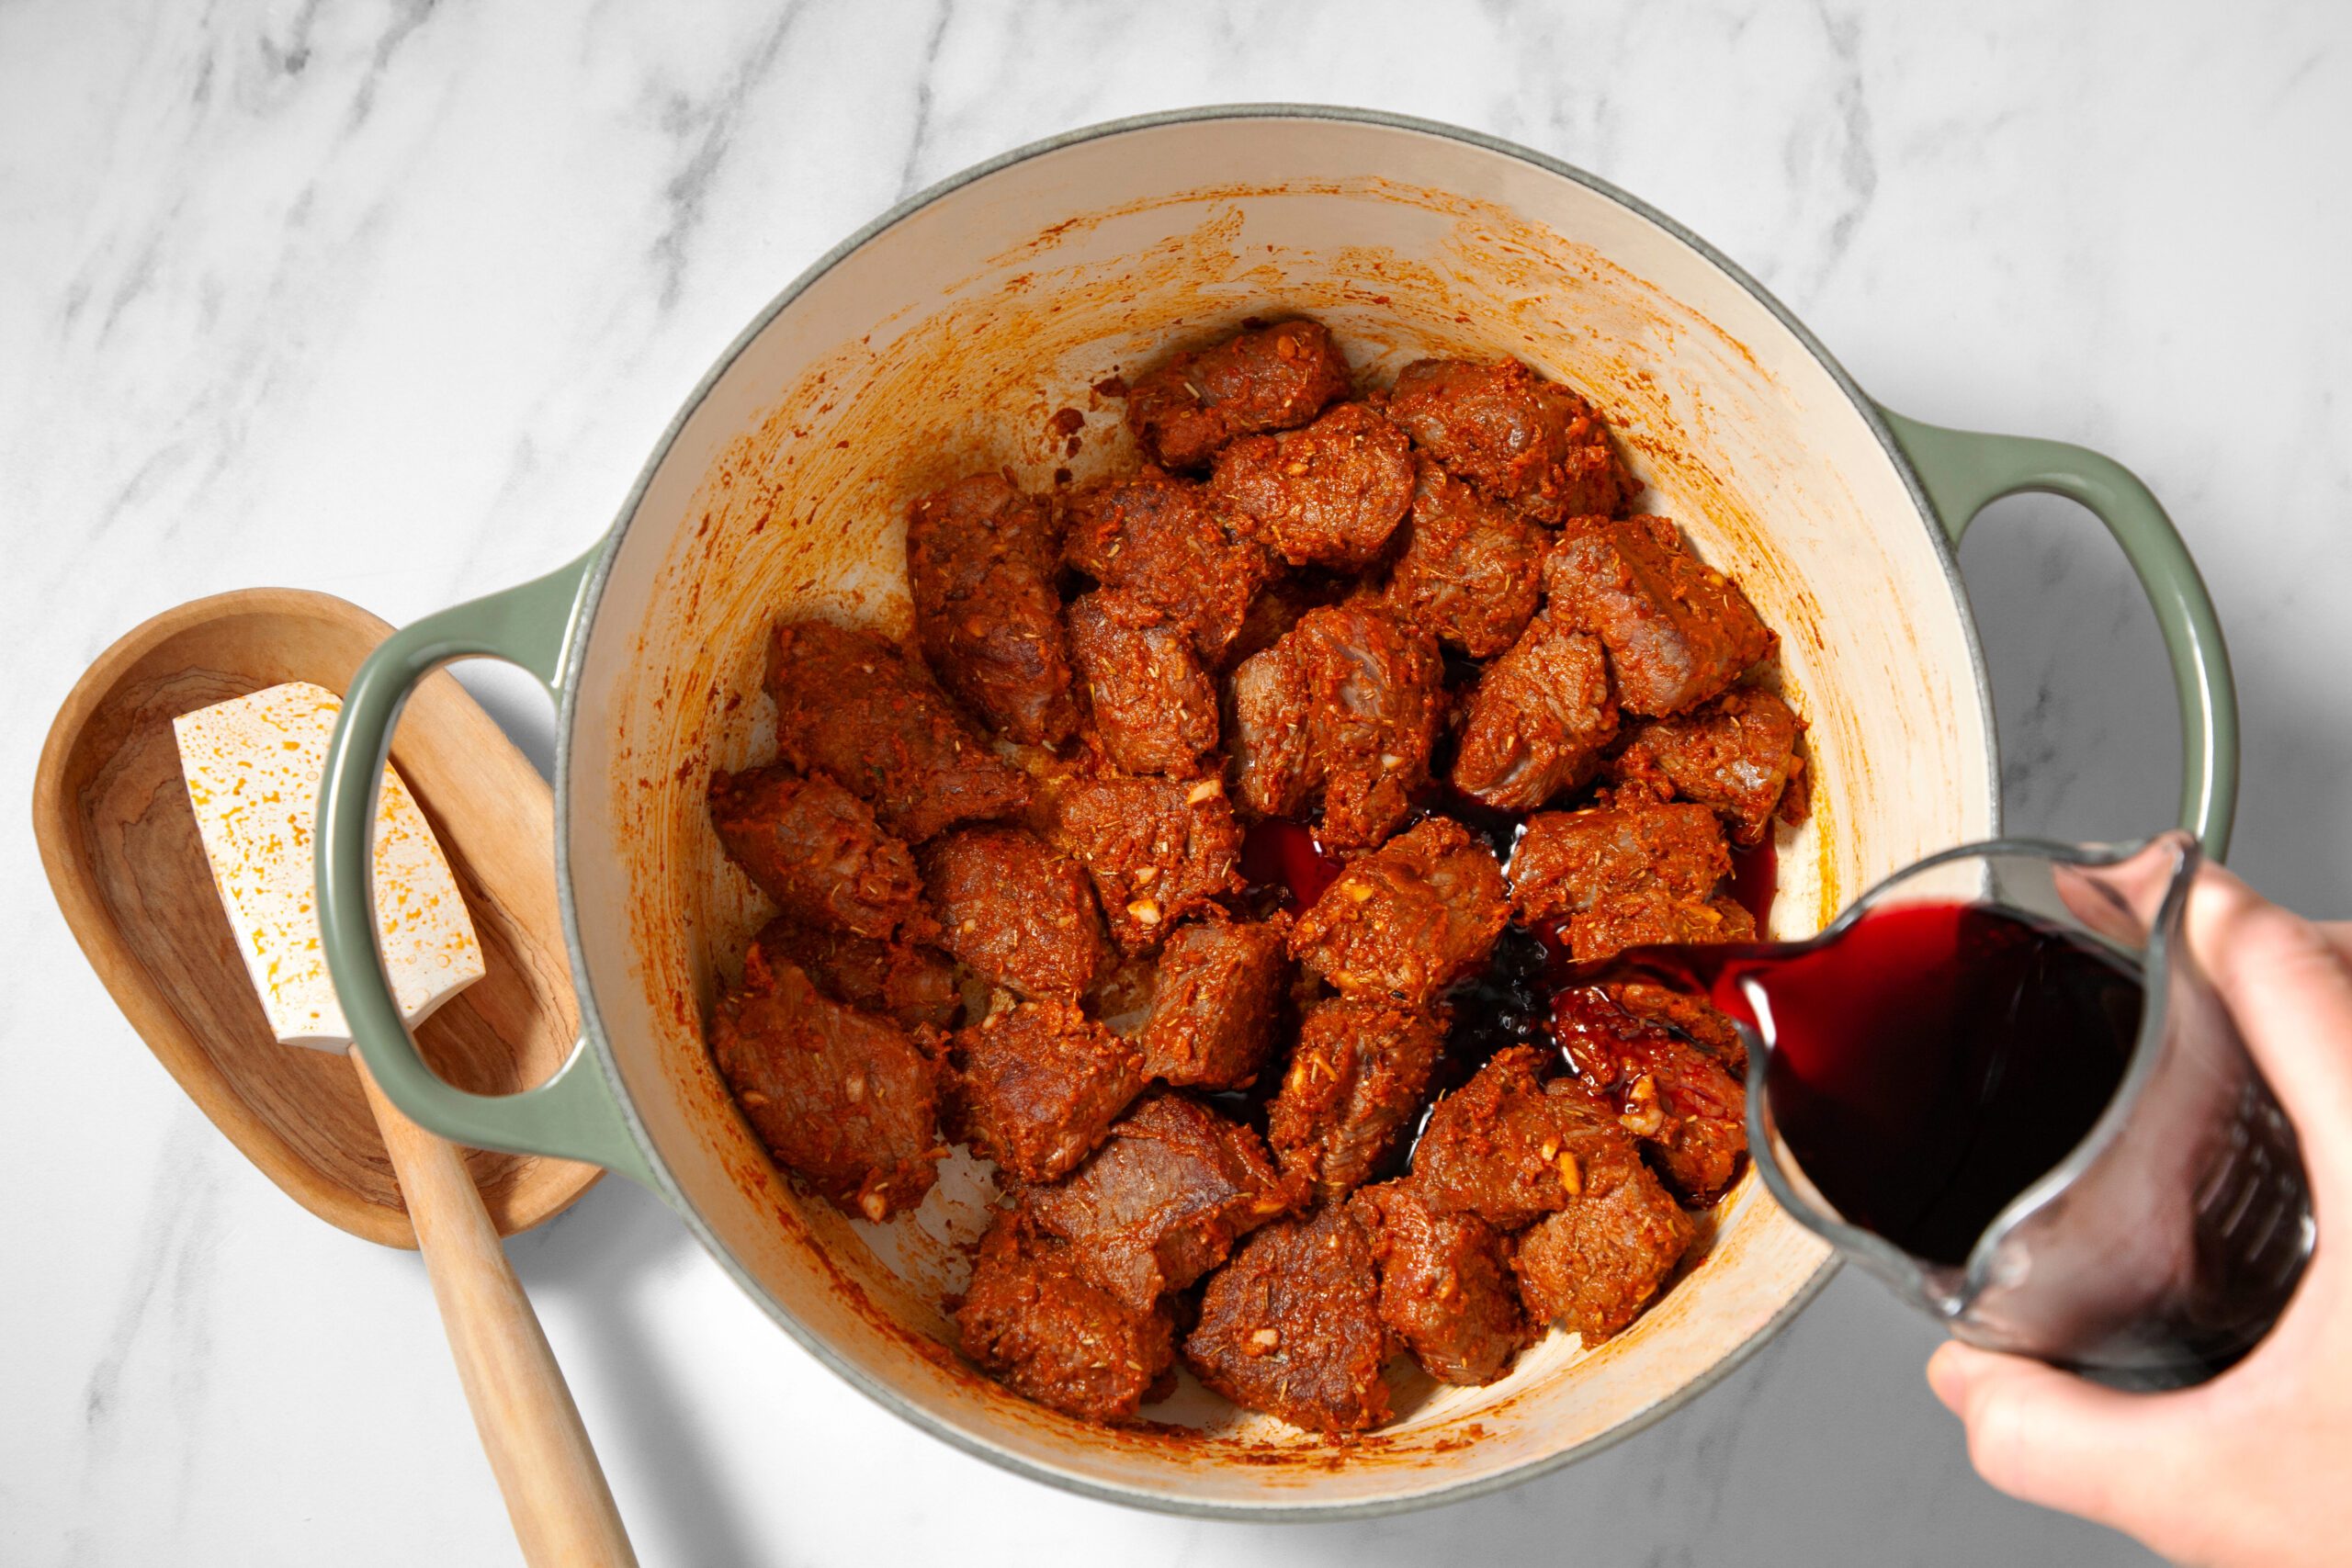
[{"x": 390, "y": 299}]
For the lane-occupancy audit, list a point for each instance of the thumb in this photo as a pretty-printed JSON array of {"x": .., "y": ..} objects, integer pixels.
[{"x": 2047, "y": 1436}]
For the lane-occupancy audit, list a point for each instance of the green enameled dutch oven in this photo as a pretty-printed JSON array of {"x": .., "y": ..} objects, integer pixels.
[{"x": 943, "y": 338}]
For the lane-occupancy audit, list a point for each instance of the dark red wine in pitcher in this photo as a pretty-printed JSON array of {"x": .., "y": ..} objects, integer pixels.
[{"x": 1931, "y": 1062}]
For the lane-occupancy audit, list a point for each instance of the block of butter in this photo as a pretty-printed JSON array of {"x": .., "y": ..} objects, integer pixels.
[{"x": 252, "y": 766}]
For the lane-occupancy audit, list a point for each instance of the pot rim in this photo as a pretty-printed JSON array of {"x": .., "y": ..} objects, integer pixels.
[{"x": 591, "y": 595}]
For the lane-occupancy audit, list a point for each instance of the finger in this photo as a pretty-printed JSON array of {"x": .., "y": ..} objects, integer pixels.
[
  {"x": 2289, "y": 987},
  {"x": 2337, "y": 934},
  {"x": 2047, "y": 1436}
]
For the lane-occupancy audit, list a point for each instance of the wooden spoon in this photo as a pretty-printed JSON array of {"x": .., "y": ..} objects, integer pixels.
[{"x": 119, "y": 842}]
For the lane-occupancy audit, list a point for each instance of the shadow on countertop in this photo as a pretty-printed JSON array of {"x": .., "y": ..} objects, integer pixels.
[{"x": 592, "y": 1257}]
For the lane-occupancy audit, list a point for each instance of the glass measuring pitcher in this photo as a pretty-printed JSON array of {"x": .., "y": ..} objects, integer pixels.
[{"x": 2001, "y": 1083}]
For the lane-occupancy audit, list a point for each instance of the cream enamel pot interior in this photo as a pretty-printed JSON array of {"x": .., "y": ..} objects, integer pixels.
[{"x": 943, "y": 338}]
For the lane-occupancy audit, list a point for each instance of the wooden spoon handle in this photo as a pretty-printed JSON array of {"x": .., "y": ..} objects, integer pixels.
[{"x": 555, "y": 1490}]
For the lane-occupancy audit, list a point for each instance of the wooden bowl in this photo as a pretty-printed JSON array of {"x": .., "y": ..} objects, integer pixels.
[{"x": 119, "y": 842}]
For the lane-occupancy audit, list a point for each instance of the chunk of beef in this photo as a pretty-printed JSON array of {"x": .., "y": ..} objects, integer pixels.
[
  {"x": 1271, "y": 377},
  {"x": 1329, "y": 495},
  {"x": 913, "y": 985},
  {"x": 850, "y": 705},
  {"x": 1347, "y": 703},
  {"x": 1031, "y": 1319},
  {"x": 1678, "y": 631},
  {"x": 1154, "y": 539},
  {"x": 1471, "y": 571},
  {"x": 1153, "y": 707},
  {"x": 1688, "y": 1110},
  {"x": 1015, "y": 910},
  {"x": 1122, "y": 998},
  {"x": 1292, "y": 1326},
  {"x": 1037, "y": 1086},
  {"x": 1160, "y": 851},
  {"x": 1272, "y": 728},
  {"x": 1537, "y": 720},
  {"x": 1162, "y": 1203},
  {"x": 1278, "y": 607},
  {"x": 1737, "y": 755},
  {"x": 1218, "y": 997},
  {"x": 1626, "y": 876},
  {"x": 846, "y": 1100},
  {"x": 1696, "y": 1019},
  {"x": 1654, "y": 918},
  {"x": 817, "y": 850},
  {"x": 1569, "y": 862},
  {"x": 1510, "y": 1148},
  {"x": 1594, "y": 1266},
  {"x": 1354, "y": 1088},
  {"x": 1379, "y": 690},
  {"x": 1520, "y": 439},
  {"x": 1446, "y": 1286},
  {"x": 980, "y": 564},
  {"x": 1408, "y": 919}
]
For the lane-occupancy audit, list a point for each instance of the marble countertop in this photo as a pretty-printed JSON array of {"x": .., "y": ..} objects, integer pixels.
[{"x": 390, "y": 299}]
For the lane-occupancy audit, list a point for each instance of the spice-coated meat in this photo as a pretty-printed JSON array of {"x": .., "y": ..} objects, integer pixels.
[
  {"x": 980, "y": 564},
  {"x": 1354, "y": 1088},
  {"x": 1348, "y": 704},
  {"x": 817, "y": 850},
  {"x": 1520, "y": 438},
  {"x": 1164, "y": 1199},
  {"x": 1625, "y": 876},
  {"x": 1687, "y": 1110},
  {"x": 1271, "y": 377},
  {"x": 1446, "y": 1286},
  {"x": 1569, "y": 862},
  {"x": 1153, "y": 707},
  {"x": 1037, "y": 1086},
  {"x": 1276, "y": 609},
  {"x": 1678, "y": 631},
  {"x": 902, "y": 980},
  {"x": 850, "y": 705},
  {"x": 847, "y": 1100},
  {"x": 1653, "y": 917},
  {"x": 1737, "y": 755},
  {"x": 1273, "y": 729},
  {"x": 1154, "y": 539},
  {"x": 1408, "y": 919},
  {"x": 1696, "y": 1019},
  {"x": 1594, "y": 1266},
  {"x": 1537, "y": 720},
  {"x": 1471, "y": 571},
  {"x": 1331, "y": 494},
  {"x": 1292, "y": 1326},
  {"x": 1030, "y": 1317},
  {"x": 1160, "y": 851},
  {"x": 1216, "y": 1003},
  {"x": 1510, "y": 1148},
  {"x": 1017, "y": 910},
  {"x": 1120, "y": 996}
]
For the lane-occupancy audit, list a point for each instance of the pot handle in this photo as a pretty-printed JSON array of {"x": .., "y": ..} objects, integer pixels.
[
  {"x": 1964, "y": 471},
  {"x": 576, "y": 1113}
]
